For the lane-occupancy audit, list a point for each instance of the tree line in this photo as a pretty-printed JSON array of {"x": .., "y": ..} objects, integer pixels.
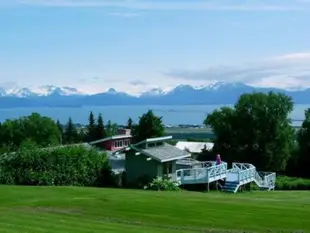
[
  {"x": 46, "y": 132},
  {"x": 148, "y": 126},
  {"x": 35, "y": 150}
]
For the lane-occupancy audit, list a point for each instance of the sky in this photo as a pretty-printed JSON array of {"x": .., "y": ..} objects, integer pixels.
[{"x": 135, "y": 45}]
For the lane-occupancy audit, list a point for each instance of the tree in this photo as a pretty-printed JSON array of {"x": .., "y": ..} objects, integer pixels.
[
  {"x": 129, "y": 123},
  {"x": 100, "y": 132},
  {"x": 257, "y": 130},
  {"x": 110, "y": 129},
  {"x": 60, "y": 128},
  {"x": 149, "y": 126},
  {"x": 303, "y": 138},
  {"x": 41, "y": 130},
  {"x": 70, "y": 133},
  {"x": 91, "y": 128}
]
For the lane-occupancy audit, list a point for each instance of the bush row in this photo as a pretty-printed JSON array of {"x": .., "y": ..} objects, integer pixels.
[
  {"x": 292, "y": 183},
  {"x": 72, "y": 165}
]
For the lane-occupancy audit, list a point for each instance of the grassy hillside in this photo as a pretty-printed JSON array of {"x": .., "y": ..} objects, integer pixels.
[{"x": 70, "y": 209}]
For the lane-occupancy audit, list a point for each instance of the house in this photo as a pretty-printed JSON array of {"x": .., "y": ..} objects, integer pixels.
[
  {"x": 121, "y": 140},
  {"x": 149, "y": 159},
  {"x": 114, "y": 143}
]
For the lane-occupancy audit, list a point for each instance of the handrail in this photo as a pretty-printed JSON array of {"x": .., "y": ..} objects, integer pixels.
[
  {"x": 246, "y": 174},
  {"x": 203, "y": 173},
  {"x": 242, "y": 173}
]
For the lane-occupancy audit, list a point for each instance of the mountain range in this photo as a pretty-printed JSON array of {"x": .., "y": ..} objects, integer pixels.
[{"x": 217, "y": 93}]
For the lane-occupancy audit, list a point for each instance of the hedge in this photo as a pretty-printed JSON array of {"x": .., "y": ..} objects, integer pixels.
[
  {"x": 69, "y": 165},
  {"x": 292, "y": 183}
]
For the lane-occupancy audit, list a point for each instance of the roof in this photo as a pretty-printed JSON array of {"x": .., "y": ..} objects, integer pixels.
[
  {"x": 187, "y": 161},
  {"x": 194, "y": 147},
  {"x": 157, "y": 139},
  {"x": 122, "y": 136},
  {"x": 161, "y": 153},
  {"x": 164, "y": 153}
]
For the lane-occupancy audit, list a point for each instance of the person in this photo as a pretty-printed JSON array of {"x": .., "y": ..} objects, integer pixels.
[{"x": 218, "y": 159}]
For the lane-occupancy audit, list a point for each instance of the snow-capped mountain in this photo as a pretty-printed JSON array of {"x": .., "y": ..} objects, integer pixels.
[
  {"x": 216, "y": 93},
  {"x": 153, "y": 92},
  {"x": 24, "y": 92}
]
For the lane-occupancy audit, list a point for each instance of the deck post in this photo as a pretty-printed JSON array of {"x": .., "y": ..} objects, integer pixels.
[{"x": 208, "y": 186}]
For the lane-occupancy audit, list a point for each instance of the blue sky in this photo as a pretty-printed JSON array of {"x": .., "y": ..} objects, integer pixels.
[{"x": 133, "y": 45}]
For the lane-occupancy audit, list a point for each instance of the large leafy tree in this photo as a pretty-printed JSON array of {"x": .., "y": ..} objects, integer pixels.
[
  {"x": 149, "y": 126},
  {"x": 257, "y": 130},
  {"x": 39, "y": 129},
  {"x": 303, "y": 139}
]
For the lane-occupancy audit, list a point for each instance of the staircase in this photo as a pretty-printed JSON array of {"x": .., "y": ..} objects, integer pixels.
[{"x": 244, "y": 173}]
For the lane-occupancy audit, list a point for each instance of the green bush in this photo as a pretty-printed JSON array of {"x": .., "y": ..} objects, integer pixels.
[
  {"x": 164, "y": 185},
  {"x": 69, "y": 165},
  {"x": 292, "y": 183}
]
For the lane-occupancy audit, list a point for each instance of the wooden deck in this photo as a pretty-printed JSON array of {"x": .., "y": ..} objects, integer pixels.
[{"x": 240, "y": 174}]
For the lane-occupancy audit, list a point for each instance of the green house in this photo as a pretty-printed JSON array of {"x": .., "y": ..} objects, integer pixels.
[{"x": 149, "y": 159}]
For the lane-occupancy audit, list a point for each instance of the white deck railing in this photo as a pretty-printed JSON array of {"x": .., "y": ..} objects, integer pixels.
[
  {"x": 240, "y": 173},
  {"x": 208, "y": 172},
  {"x": 243, "y": 173}
]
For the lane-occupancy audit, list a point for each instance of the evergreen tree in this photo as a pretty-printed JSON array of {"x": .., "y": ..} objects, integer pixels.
[
  {"x": 91, "y": 128},
  {"x": 59, "y": 126},
  {"x": 100, "y": 131},
  {"x": 129, "y": 123},
  {"x": 70, "y": 133},
  {"x": 110, "y": 129}
]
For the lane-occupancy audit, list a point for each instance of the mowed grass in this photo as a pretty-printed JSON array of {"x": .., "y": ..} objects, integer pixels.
[{"x": 72, "y": 209}]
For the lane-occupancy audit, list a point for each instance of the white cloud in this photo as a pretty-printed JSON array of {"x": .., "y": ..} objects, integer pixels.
[
  {"x": 241, "y": 5},
  {"x": 294, "y": 57},
  {"x": 285, "y": 71}
]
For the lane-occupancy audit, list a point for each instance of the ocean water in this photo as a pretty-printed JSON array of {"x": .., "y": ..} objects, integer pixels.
[{"x": 172, "y": 115}]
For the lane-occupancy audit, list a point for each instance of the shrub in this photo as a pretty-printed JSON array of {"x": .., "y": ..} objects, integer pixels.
[
  {"x": 68, "y": 165},
  {"x": 164, "y": 185},
  {"x": 292, "y": 183}
]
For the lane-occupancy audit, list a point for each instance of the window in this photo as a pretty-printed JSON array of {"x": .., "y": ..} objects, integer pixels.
[
  {"x": 126, "y": 142},
  {"x": 118, "y": 143}
]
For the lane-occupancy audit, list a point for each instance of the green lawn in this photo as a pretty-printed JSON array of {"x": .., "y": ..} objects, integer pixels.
[{"x": 71, "y": 209}]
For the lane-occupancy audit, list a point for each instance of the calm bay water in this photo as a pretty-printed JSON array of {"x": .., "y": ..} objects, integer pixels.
[{"x": 172, "y": 115}]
